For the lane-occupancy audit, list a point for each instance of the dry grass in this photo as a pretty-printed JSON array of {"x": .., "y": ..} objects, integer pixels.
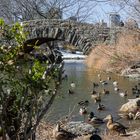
[
  {"x": 115, "y": 58},
  {"x": 45, "y": 131},
  {"x": 99, "y": 57}
]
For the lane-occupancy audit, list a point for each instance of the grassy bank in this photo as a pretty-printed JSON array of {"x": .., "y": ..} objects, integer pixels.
[{"x": 118, "y": 56}]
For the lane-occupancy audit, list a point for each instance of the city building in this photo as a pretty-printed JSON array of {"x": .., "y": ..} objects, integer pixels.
[{"x": 114, "y": 19}]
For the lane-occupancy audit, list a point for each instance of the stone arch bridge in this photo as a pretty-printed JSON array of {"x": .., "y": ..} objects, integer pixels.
[{"x": 81, "y": 35}]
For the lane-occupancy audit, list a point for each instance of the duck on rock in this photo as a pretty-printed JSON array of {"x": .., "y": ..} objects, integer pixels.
[{"x": 61, "y": 134}]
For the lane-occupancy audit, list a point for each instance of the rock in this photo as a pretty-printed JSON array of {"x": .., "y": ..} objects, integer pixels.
[
  {"x": 79, "y": 128},
  {"x": 131, "y": 106},
  {"x": 132, "y": 72},
  {"x": 137, "y": 65}
]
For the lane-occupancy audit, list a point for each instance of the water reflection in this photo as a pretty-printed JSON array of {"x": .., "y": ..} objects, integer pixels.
[{"x": 83, "y": 77}]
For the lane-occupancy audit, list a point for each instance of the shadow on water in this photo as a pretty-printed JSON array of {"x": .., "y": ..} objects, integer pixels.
[{"x": 84, "y": 78}]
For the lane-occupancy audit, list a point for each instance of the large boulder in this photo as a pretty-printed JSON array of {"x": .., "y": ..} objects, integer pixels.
[
  {"x": 131, "y": 106},
  {"x": 132, "y": 72},
  {"x": 79, "y": 128}
]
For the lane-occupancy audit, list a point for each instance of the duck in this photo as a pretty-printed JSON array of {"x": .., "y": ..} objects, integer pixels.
[
  {"x": 72, "y": 84},
  {"x": 100, "y": 107},
  {"x": 105, "y": 91},
  {"x": 83, "y": 111},
  {"x": 108, "y": 78},
  {"x": 65, "y": 77},
  {"x": 137, "y": 96},
  {"x": 93, "y": 94},
  {"x": 83, "y": 103},
  {"x": 115, "y": 83},
  {"x": 94, "y": 119},
  {"x": 136, "y": 87},
  {"x": 70, "y": 91},
  {"x": 61, "y": 134},
  {"x": 123, "y": 94},
  {"x": 97, "y": 98},
  {"x": 95, "y": 85},
  {"x": 135, "y": 90},
  {"x": 115, "y": 126},
  {"x": 91, "y": 115},
  {"x": 103, "y": 82},
  {"x": 116, "y": 89}
]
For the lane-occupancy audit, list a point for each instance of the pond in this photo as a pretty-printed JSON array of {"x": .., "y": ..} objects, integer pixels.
[{"x": 66, "y": 104}]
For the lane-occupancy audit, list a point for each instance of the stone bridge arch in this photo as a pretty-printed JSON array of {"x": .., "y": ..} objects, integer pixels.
[
  {"x": 80, "y": 35},
  {"x": 70, "y": 36}
]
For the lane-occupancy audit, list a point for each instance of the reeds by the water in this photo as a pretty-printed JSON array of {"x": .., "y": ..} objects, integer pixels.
[{"x": 118, "y": 56}]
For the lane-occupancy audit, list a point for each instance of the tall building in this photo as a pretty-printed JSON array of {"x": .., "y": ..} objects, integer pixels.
[
  {"x": 73, "y": 18},
  {"x": 103, "y": 24},
  {"x": 115, "y": 19}
]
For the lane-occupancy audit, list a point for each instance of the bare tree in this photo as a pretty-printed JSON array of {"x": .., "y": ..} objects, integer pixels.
[
  {"x": 23, "y": 10},
  {"x": 5, "y": 11}
]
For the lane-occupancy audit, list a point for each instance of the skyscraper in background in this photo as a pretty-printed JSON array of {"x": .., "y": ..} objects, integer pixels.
[{"x": 115, "y": 19}]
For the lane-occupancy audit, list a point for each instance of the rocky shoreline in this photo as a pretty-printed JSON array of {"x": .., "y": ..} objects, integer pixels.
[
  {"x": 132, "y": 71},
  {"x": 45, "y": 132}
]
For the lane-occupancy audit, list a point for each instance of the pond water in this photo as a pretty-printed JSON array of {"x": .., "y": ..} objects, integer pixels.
[{"x": 84, "y": 77}]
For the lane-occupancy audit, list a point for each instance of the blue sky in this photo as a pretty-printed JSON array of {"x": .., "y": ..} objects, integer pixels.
[{"x": 102, "y": 11}]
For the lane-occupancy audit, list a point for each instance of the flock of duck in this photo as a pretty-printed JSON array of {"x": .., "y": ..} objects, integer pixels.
[{"x": 96, "y": 96}]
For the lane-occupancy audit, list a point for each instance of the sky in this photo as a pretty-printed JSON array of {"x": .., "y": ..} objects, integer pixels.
[
  {"x": 105, "y": 9},
  {"x": 102, "y": 11}
]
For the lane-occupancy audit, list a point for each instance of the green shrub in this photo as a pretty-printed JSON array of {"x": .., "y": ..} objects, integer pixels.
[{"x": 27, "y": 86}]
